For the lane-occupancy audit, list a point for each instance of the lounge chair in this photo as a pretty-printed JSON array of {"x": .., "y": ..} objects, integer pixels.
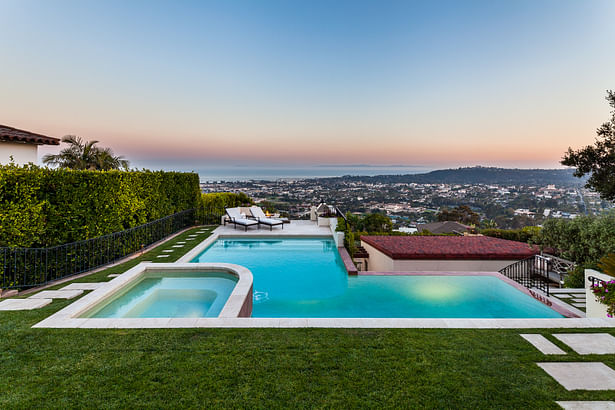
[
  {"x": 237, "y": 219},
  {"x": 260, "y": 216}
]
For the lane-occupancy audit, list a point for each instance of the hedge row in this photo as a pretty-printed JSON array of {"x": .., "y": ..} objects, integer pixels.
[
  {"x": 42, "y": 207},
  {"x": 529, "y": 234},
  {"x": 212, "y": 206},
  {"x": 584, "y": 240}
]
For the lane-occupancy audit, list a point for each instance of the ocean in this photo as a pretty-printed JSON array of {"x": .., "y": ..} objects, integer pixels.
[{"x": 272, "y": 173}]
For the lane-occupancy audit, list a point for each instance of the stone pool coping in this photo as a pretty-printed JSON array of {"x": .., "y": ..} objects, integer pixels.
[{"x": 239, "y": 303}]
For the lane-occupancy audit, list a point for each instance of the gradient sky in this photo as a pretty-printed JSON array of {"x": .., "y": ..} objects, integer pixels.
[{"x": 432, "y": 83}]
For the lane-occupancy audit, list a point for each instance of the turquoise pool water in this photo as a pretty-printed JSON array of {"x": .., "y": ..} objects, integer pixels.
[
  {"x": 306, "y": 278},
  {"x": 160, "y": 294}
]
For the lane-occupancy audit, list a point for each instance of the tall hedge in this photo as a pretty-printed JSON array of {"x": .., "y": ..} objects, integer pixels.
[
  {"x": 528, "y": 234},
  {"x": 213, "y": 205},
  {"x": 44, "y": 207},
  {"x": 584, "y": 240}
]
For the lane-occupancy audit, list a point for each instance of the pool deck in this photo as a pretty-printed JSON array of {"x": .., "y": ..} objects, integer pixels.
[{"x": 294, "y": 228}]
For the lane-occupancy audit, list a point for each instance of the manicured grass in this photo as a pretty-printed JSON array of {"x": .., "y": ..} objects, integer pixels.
[
  {"x": 272, "y": 368},
  {"x": 151, "y": 256}
]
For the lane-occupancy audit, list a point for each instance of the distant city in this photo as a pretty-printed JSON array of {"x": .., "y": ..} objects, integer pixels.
[{"x": 502, "y": 205}]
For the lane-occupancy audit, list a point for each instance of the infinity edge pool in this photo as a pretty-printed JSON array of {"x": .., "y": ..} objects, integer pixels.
[{"x": 69, "y": 316}]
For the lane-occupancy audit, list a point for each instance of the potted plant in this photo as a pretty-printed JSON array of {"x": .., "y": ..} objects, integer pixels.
[{"x": 324, "y": 217}]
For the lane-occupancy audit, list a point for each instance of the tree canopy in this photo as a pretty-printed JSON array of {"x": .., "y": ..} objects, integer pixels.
[
  {"x": 597, "y": 160},
  {"x": 461, "y": 214},
  {"x": 85, "y": 155}
]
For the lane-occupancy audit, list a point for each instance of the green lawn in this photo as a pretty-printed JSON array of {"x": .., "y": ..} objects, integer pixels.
[{"x": 267, "y": 368}]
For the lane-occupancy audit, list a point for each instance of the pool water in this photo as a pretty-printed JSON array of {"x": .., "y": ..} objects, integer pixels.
[
  {"x": 185, "y": 294},
  {"x": 306, "y": 278}
]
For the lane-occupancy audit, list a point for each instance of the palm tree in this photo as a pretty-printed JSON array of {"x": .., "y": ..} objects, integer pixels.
[{"x": 83, "y": 155}]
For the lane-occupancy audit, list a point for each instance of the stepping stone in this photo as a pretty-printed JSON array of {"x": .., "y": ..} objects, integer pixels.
[
  {"x": 579, "y": 300},
  {"x": 23, "y": 304},
  {"x": 562, "y": 296},
  {"x": 587, "y": 405},
  {"x": 191, "y": 236},
  {"x": 181, "y": 242},
  {"x": 177, "y": 246},
  {"x": 114, "y": 275},
  {"x": 83, "y": 286},
  {"x": 589, "y": 343},
  {"x": 57, "y": 294},
  {"x": 190, "y": 239},
  {"x": 542, "y": 343},
  {"x": 579, "y": 305},
  {"x": 162, "y": 256},
  {"x": 567, "y": 290},
  {"x": 581, "y": 375},
  {"x": 169, "y": 250}
]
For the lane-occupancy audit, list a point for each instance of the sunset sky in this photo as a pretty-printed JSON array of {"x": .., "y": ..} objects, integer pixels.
[{"x": 432, "y": 83}]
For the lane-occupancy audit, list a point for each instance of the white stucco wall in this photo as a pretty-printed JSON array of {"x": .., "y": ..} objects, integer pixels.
[
  {"x": 593, "y": 308},
  {"x": 22, "y": 153},
  {"x": 379, "y": 262},
  {"x": 415, "y": 265}
]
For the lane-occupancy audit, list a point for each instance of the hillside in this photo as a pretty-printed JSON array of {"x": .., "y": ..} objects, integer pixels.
[{"x": 479, "y": 175}]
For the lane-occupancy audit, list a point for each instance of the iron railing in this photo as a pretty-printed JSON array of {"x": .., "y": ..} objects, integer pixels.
[
  {"x": 532, "y": 272},
  {"x": 558, "y": 267},
  {"x": 29, "y": 267}
]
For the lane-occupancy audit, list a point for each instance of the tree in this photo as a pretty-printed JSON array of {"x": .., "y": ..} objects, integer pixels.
[
  {"x": 85, "y": 155},
  {"x": 461, "y": 214},
  {"x": 375, "y": 223},
  {"x": 598, "y": 159}
]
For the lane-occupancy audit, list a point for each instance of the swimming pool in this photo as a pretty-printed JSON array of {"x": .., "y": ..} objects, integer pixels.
[
  {"x": 305, "y": 278},
  {"x": 169, "y": 295}
]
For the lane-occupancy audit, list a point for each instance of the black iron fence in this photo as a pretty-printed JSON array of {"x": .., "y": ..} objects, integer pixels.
[
  {"x": 532, "y": 272},
  {"x": 28, "y": 267}
]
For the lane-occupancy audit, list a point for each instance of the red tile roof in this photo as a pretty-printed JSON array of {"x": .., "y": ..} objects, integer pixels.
[
  {"x": 450, "y": 247},
  {"x": 14, "y": 134}
]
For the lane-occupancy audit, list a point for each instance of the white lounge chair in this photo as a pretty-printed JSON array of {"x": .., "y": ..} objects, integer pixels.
[
  {"x": 237, "y": 219},
  {"x": 260, "y": 216}
]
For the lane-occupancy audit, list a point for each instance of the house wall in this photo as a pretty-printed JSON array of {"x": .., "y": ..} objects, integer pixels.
[
  {"x": 379, "y": 262},
  {"x": 419, "y": 265},
  {"x": 22, "y": 153},
  {"x": 593, "y": 308}
]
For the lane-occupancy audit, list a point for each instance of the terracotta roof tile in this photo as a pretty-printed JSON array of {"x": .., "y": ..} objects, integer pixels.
[
  {"x": 14, "y": 134},
  {"x": 450, "y": 247}
]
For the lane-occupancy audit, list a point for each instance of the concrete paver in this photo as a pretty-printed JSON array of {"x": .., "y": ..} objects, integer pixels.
[
  {"x": 23, "y": 304},
  {"x": 588, "y": 343},
  {"x": 581, "y": 375},
  {"x": 57, "y": 294},
  {"x": 542, "y": 343}
]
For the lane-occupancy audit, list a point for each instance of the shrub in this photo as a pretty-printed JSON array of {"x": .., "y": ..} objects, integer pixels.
[
  {"x": 607, "y": 264},
  {"x": 605, "y": 294},
  {"x": 575, "y": 278},
  {"x": 42, "y": 207},
  {"x": 212, "y": 206},
  {"x": 585, "y": 239},
  {"x": 528, "y": 234}
]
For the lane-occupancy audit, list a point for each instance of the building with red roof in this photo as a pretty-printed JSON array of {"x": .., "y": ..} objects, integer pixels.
[
  {"x": 21, "y": 147},
  {"x": 443, "y": 253}
]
